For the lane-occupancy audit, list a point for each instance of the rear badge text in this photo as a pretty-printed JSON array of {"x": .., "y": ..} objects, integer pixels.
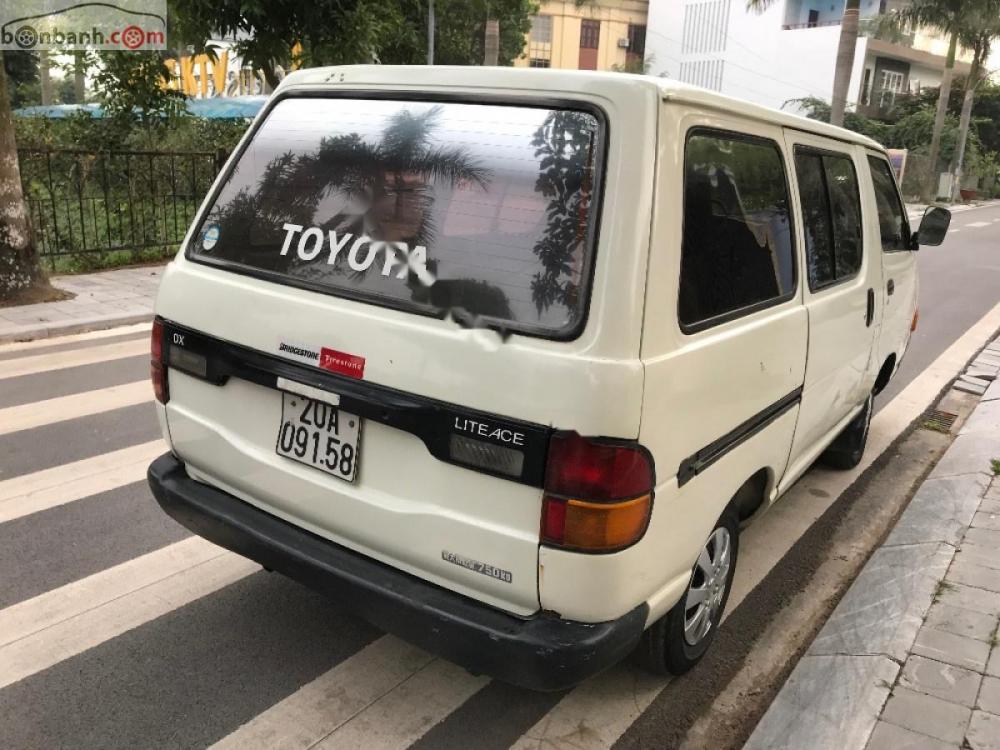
[{"x": 477, "y": 567}]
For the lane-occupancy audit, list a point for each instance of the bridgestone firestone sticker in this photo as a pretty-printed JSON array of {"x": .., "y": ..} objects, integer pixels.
[{"x": 361, "y": 253}]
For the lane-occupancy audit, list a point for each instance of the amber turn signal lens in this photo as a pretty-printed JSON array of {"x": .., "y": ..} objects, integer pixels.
[{"x": 595, "y": 527}]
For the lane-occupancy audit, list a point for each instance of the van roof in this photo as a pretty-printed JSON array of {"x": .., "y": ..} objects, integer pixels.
[{"x": 607, "y": 84}]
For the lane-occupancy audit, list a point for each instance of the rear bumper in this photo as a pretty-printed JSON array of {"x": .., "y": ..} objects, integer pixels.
[{"x": 541, "y": 653}]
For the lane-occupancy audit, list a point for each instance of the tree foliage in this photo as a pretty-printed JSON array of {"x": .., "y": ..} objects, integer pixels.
[{"x": 333, "y": 32}]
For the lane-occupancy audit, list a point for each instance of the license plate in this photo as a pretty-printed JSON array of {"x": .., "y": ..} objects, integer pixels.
[{"x": 319, "y": 435}]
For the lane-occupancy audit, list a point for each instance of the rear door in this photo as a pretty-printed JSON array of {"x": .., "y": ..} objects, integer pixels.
[
  {"x": 428, "y": 269},
  {"x": 840, "y": 293}
]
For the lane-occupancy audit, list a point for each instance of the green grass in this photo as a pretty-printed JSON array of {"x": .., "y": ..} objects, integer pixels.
[
  {"x": 995, "y": 465},
  {"x": 101, "y": 261},
  {"x": 942, "y": 587},
  {"x": 930, "y": 424}
]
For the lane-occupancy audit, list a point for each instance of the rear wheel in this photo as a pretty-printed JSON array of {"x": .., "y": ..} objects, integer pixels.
[
  {"x": 846, "y": 450},
  {"x": 677, "y": 641}
]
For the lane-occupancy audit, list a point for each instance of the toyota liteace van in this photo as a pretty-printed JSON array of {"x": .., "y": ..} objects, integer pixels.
[{"x": 502, "y": 359}]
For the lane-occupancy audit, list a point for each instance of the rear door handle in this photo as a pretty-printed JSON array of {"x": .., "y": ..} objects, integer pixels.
[
  {"x": 870, "y": 312},
  {"x": 890, "y": 287}
]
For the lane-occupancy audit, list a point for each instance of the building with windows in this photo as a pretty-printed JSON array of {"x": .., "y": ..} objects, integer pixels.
[
  {"x": 596, "y": 35},
  {"x": 789, "y": 51}
]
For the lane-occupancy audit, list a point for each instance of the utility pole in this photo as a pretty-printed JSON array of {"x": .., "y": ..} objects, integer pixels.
[
  {"x": 44, "y": 77},
  {"x": 492, "y": 42},
  {"x": 79, "y": 82},
  {"x": 430, "y": 32}
]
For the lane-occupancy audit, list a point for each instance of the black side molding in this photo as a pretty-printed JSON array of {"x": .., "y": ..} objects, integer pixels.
[{"x": 693, "y": 465}]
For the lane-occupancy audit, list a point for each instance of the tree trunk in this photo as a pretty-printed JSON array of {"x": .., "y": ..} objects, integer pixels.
[
  {"x": 270, "y": 77},
  {"x": 430, "y": 32},
  {"x": 79, "y": 83},
  {"x": 44, "y": 78},
  {"x": 491, "y": 42},
  {"x": 958, "y": 159},
  {"x": 930, "y": 184},
  {"x": 845, "y": 61},
  {"x": 18, "y": 261}
]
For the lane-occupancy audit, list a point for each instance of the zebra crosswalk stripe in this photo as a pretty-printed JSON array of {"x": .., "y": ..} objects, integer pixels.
[
  {"x": 49, "y": 488},
  {"x": 74, "y": 406},
  {"x": 43, "y": 648},
  {"x": 331, "y": 700},
  {"x": 15, "y": 368}
]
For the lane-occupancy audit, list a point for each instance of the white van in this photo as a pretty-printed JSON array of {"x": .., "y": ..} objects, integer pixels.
[{"x": 501, "y": 359}]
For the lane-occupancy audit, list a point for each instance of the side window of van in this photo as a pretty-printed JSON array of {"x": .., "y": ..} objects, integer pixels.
[
  {"x": 893, "y": 226},
  {"x": 736, "y": 254},
  {"x": 831, "y": 214}
]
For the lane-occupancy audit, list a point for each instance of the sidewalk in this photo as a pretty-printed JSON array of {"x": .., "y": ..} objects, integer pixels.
[
  {"x": 103, "y": 300},
  {"x": 910, "y": 658},
  {"x": 915, "y": 210}
]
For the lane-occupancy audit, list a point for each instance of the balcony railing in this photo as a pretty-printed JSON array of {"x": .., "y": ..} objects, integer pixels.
[{"x": 810, "y": 24}]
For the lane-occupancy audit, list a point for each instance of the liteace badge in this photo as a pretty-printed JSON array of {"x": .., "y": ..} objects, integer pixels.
[{"x": 477, "y": 567}]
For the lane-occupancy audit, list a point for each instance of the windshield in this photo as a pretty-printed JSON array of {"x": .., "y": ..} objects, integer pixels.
[{"x": 482, "y": 211}]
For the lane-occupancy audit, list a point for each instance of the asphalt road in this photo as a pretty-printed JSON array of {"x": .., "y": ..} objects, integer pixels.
[{"x": 118, "y": 629}]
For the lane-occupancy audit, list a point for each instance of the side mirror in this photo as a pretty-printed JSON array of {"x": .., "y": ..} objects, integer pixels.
[{"x": 933, "y": 226}]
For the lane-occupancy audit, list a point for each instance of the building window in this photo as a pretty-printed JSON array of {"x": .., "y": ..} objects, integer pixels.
[
  {"x": 540, "y": 42},
  {"x": 636, "y": 42},
  {"x": 891, "y": 84},
  {"x": 590, "y": 33},
  {"x": 736, "y": 253}
]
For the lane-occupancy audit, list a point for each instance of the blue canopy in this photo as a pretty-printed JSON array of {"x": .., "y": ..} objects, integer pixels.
[{"x": 231, "y": 107}]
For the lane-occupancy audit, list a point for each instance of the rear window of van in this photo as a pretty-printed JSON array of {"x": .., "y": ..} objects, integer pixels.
[{"x": 483, "y": 211}]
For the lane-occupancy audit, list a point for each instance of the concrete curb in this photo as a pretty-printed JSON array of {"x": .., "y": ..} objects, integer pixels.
[
  {"x": 97, "y": 323},
  {"x": 836, "y": 693}
]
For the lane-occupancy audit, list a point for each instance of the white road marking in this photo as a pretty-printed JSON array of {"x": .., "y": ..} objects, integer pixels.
[
  {"x": 977, "y": 224},
  {"x": 42, "y": 649},
  {"x": 31, "y": 493},
  {"x": 319, "y": 708},
  {"x": 26, "y": 416},
  {"x": 91, "y": 336},
  {"x": 74, "y": 599},
  {"x": 13, "y": 368},
  {"x": 592, "y": 717},
  {"x": 405, "y": 714}
]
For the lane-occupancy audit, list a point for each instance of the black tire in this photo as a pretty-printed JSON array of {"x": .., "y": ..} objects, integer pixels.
[
  {"x": 664, "y": 649},
  {"x": 846, "y": 450}
]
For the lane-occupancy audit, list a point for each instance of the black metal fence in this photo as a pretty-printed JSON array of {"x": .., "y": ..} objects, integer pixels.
[{"x": 86, "y": 204}]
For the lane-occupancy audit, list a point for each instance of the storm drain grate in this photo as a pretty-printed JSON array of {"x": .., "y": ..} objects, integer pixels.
[{"x": 939, "y": 420}]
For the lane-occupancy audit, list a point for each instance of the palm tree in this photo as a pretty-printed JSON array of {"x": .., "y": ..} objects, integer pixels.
[
  {"x": 845, "y": 54},
  {"x": 19, "y": 269},
  {"x": 953, "y": 18},
  {"x": 979, "y": 38}
]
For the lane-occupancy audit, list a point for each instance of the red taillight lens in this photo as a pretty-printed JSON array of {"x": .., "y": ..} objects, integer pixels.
[
  {"x": 598, "y": 495},
  {"x": 157, "y": 367},
  {"x": 578, "y": 467}
]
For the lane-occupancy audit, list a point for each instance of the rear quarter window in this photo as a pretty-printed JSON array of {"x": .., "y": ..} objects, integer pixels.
[
  {"x": 736, "y": 253},
  {"x": 484, "y": 211}
]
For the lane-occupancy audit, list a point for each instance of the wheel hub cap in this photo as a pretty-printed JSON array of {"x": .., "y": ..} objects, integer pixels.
[{"x": 707, "y": 587}]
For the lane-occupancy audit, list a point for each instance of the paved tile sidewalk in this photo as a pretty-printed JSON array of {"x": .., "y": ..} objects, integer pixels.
[
  {"x": 910, "y": 658},
  {"x": 103, "y": 300}
]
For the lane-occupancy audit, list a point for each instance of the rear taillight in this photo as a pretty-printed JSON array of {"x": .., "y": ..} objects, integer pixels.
[
  {"x": 598, "y": 494},
  {"x": 157, "y": 365}
]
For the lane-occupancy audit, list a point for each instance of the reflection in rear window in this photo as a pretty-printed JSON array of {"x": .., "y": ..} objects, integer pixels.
[{"x": 481, "y": 210}]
